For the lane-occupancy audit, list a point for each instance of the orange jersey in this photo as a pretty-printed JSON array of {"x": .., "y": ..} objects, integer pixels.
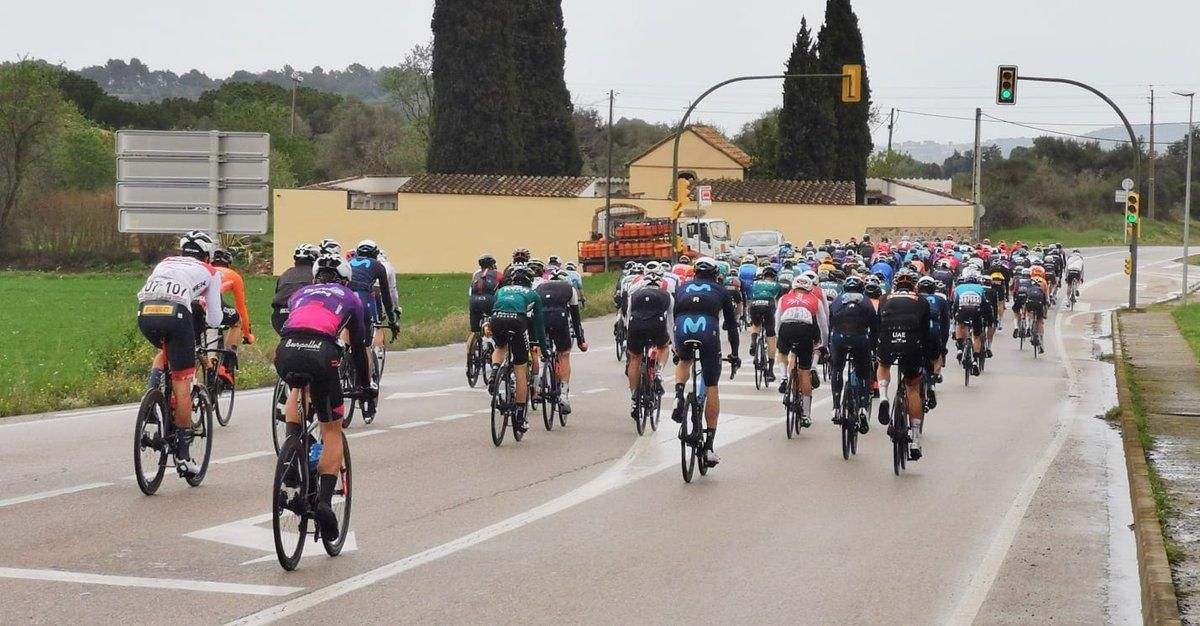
[{"x": 232, "y": 281}]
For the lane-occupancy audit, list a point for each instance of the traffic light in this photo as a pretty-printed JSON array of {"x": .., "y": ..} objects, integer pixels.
[
  {"x": 851, "y": 83},
  {"x": 683, "y": 190},
  {"x": 1006, "y": 85},
  {"x": 1133, "y": 203},
  {"x": 1128, "y": 266}
]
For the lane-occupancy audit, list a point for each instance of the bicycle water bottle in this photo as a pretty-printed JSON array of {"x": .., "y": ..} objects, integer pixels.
[{"x": 314, "y": 455}]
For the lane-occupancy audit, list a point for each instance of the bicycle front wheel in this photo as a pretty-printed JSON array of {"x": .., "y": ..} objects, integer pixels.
[
  {"x": 150, "y": 442},
  {"x": 202, "y": 432},
  {"x": 289, "y": 509},
  {"x": 221, "y": 393},
  {"x": 279, "y": 414},
  {"x": 341, "y": 502},
  {"x": 500, "y": 408}
]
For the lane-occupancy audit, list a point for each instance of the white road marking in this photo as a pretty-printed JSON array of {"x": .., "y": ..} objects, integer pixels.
[
  {"x": 50, "y": 494},
  {"x": 410, "y": 425},
  {"x": 772, "y": 397},
  {"x": 648, "y": 456},
  {"x": 451, "y": 418},
  {"x": 146, "y": 583},
  {"x": 428, "y": 372},
  {"x": 483, "y": 411},
  {"x": 250, "y": 534},
  {"x": 591, "y": 391},
  {"x": 436, "y": 393},
  {"x": 365, "y": 433},
  {"x": 243, "y": 457},
  {"x": 989, "y": 567}
]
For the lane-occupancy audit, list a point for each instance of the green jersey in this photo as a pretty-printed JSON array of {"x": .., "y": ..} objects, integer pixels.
[
  {"x": 521, "y": 300},
  {"x": 764, "y": 289},
  {"x": 831, "y": 288}
]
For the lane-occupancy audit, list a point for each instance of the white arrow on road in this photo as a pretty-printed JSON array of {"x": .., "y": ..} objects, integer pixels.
[
  {"x": 436, "y": 393},
  {"x": 248, "y": 533}
]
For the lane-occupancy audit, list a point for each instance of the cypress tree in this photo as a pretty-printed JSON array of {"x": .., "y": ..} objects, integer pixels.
[
  {"x": 840, "y": 42},
  {"x": 544, "y": 111},
  {"x": 475, "y": 93},
  {"x": 807, "y": 136}
]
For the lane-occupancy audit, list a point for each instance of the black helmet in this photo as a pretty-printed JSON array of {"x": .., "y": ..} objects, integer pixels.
[
  {"x": 769, "y": 272},
  {"x": 853, "y": 284},
  {"x": 486, "y": 260},
  {"x": 221, "y": 256},
  {"x": 520, "y": 274},
  {"x": 905, "y": 280},
  {"x": 520, "y": 255},
  {"x": 367, "y": 248},
  {"x": 305, "y": 254}
]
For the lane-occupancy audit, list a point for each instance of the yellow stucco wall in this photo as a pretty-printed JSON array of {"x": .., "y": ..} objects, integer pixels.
[
  {"x": 651, "y": 174},
  {"x": 445, "y": 233}
]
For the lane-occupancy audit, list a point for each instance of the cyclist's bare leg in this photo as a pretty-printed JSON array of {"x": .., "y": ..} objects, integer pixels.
[
  {"x": 522, "y": 376},
  {"x": 635, "y": 363},
  {"x": 771, "y": 348},
  {"x": 331, "y": 451},
  {"x": 377, "y": 339},
  {"x": 564, "y": 366},
  {"x": 182, "y": 388},
  {"x": 233, "y": 338},
  {"x": 915, "y": 409},
  {"x": 683, "y": 369},
  {"x": 712, "y": 406}
]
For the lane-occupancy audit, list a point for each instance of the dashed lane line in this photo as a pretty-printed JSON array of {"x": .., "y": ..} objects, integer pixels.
[
  {"x": 33, "y": 497},
  {"x": 451, "y": 418},
  {"x": 408, "y": 425},
  {"x": 146, "y": 583}
]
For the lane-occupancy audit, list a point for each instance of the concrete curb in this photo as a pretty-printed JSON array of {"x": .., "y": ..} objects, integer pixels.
[{"x": 1159, "y": 603}]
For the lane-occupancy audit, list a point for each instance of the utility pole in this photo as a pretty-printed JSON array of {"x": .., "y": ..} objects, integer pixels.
[
  {"x": 296, "y": 80},
  {"x": 977, "y": 170},
  {"x": 891, "y": 124},
  {"x": 1187, "y": 193},
  {"x": 1150, "y": 171},
  {"x": 608, "y": 184}
]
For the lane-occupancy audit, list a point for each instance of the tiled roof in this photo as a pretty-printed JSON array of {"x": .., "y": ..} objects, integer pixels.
[
  {"x": 911, "y": 185},
  {"x": 499, "y": 185},
  {"x": 712, "y": 138},
  {"x": 781, "y": 191}
]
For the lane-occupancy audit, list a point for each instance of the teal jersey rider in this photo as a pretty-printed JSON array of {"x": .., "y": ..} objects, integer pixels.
[
  {"x": 765, "y": 289},
  {"x": 831, "y": 288},
  {"x": 521, "y": 300}
]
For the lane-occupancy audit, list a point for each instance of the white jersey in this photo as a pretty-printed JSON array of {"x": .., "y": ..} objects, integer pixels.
[
  {"x": 184, "y": 280},
  {"x": 391, "y": 278},
  {"x": 1075, "y": 263}
]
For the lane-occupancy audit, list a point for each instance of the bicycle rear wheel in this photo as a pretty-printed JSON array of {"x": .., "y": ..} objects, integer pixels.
[
  {"x": 500, "y": 407},
  {"x": 848, "y": 420},
  {"x": 221, "y": 393},
  {"x": 549, "y": 401},
  {"x": 643, "y": 398},
  {"x": 474, "y": 362},
  {"x": 279, "y": 414},
  {"x": 968, "y": 360},
  {"x": 150, "y": 442},
  {"x": 687, "y": 449},
  {"x": 349, "y": 378},
  {"x": 899, "y": 435},
  {"x": 790, "y": 406},
  {"x": 289, "y": 508},
  {"x": 202, "y": 432},
  {"x": 341, "y": 502}
]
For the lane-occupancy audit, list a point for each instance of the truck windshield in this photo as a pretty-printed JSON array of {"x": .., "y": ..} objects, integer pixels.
[
  {"x": 757, "y": 239},
  {"x": 719, "y": 230}
]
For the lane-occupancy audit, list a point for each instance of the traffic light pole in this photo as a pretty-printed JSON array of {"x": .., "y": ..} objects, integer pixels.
[{"x": 1133, "y": 237}]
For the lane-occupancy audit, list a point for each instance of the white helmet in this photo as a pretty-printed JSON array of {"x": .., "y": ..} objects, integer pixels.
[
  {"x": 330, "y": 246},
  {"x": 332, "y": 262},
  {"x": 197, "y": 242},
  {"x": 803, "y": 282}
]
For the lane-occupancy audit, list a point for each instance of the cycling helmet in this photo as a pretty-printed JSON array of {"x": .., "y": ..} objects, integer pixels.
[
  {"x": 537, "y": 266},
  {"x": 558, "y": 274},
  {"x": 520, "y": 274},
  {"x": 1025, "y": 271},
  {"x": 570, "y": 266},
  {"x": 221, "y": 256},
  {"x": 520, "y": 255},
  {"x": 998, "y": 276},
  {"x": 789, "y": 264},
  {"x": 629, "y": 265},
  {"x": 486, "y": 260},
  {"x": 969, "y": 279},
  {"x": 685, "y": 259},
  {"x": 334, "y": 263},
  {"x": 658, "y": 270},
  {"x": 803, "y": 282},
  {"x": 654, "y": 279},
  {"x": 706, "y": 265},
  {"x": 367, "y": 248},
  {"x": 197, "y": 243},
  {"x": 769, "y": 272},
  {"x": 986, "y": 281},
  {"x": 305, "y": 253},
  {"x": 722, "y": 268},
  {"x": 853, "y": 284},
  {"x": 638, "y": 269},
  {"x": 906, "y": 280},
  {"x": 1076, "y": 251},
  {"x": 823, "y": 275},
  {"x": 873, "y": 289},
  {"x": 969, "y": 271},
  {"x": 811, "y": 275},
  {"x": 331, "y": 246},
  {"x": 554, "y": 261},
  {"x": 652, "y": 266},
  {"x": 1037, "y": 270},
  {"x": 927, "y": 284},
  {"x": 944, "y": 263},
  {"x": 837, "y": 275}
]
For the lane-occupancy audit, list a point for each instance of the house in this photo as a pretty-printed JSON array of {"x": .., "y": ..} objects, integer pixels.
[
  {"x": 706, "y": 153},
  {"x": 900, "y": 191},
  {"x": 369, "y": 193}
]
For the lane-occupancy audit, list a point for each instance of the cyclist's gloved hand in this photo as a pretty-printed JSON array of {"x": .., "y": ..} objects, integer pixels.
[
  {"x": 583, "y": 346},
  {"x": 248, "y": 338},
  {"x": 735, "y": 361}
]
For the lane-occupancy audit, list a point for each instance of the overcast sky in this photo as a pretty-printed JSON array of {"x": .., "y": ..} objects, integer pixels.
[{"x": 932, "y": 57}]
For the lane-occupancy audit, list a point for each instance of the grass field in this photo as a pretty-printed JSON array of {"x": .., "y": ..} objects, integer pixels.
[
  {"x": 1154, "y": 232},
  {"x": 1188, "y": 320},
  {"x": 71, "y": 340}
]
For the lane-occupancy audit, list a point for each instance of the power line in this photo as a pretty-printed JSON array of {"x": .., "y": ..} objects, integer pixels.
[{"x": 1055, "y": 132}]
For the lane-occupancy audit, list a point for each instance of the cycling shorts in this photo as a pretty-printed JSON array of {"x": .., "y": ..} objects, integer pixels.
[
  {"x": 903, "y": 347},
  {"x": 973, "y": 317},
  {"x": 278, "y": 319},
  {"x": 1018, "y": 302},
  {"x": 481, "y": 307},
  {"x": 646, "y": 333},
  {"x": 1037, "y": 308},
  {"x": 368, "y": 302},
  {"x": 509, "y": 331},
  {"x": 558, "y": 330},
  {"x": 799, "y": 338},
  {"x": 168, "y": 325},
  {"x": 762, "y": 313},
  {"x": 1074, "y": 275},
  {"x": 315, "y": 357},
  {"x": 229, "y": 316},
  {"x": 704, "y": 329}
]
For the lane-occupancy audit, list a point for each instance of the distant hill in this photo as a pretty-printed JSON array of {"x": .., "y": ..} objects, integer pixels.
[
  {"x": 936, "y": 152},
  {"x": 1164, "y": 134},
  {"x": 134, "y": 81}
]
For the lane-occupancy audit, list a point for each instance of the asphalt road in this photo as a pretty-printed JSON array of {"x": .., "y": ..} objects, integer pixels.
[{"x": 1019, "y": 512}]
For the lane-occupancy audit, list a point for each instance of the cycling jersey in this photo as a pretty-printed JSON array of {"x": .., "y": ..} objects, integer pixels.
[
  {"x": 830, "y": 288},
  {"x": 484, "y": 282},
  {"x": 885, "y": 269},
  {"x": 747, "y": 273},
  {"x": 326, "y": 309},
  {"x": 1075, "y": 263},
  {"x": 699, "y": 303},
  {"x": 650, "y": 315},
  {"x": 853, "y": 314},
  {"x": 765, "y": 291},
  {"x": 904, "y": 333},
  {"x": 365, "y": 274},
  {"x": 232, "y": 281},
  {"x": 804, "y": 307},
  {"x": 293, "y": 278},
  {"x": 521, "y": 300},
  {"x": 733, "y": 285},
  {"x": 184, "y": 280},
  {"x": 391, "y": 278},
  {"x": 318, "y": 313},
  {"x": 560, "y": 309}
]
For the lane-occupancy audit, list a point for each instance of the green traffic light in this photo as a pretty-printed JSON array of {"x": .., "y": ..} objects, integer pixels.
[
  {"x": 1131, "y": 218},
  {"x": 1006, "y": 94}
]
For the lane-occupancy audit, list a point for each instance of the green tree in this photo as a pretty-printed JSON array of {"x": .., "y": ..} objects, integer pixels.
[
  {"x": 371, "y": 139},
  {"x": 475, "y": 126},
  {"x": 31, "y": 109},
  {"x": 82, "y": 159},
  {"x": 410, "y": 86},
  {"x": 840, "y": 43},
  {"x": 807, "y": 134},
  {"x": 898, "y": 165},
  {"x": 268, "y": 117},
  {"x": 547, "y": 132},
  {"x": 760, "y": 139}
]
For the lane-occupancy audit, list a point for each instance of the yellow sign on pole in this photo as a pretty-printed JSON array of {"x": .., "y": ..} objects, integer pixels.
[{"x": 851, "y": 83}]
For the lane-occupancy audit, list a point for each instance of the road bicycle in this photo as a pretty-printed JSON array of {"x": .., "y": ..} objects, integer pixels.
[
  {"x": 279, "y": 398},
  {"x": 215, "y": 358},
  {"x": 620, "y": 337},
  {"x": 691, "y": 430},
  {"x": 479, "y": 357},
  {"x": 294, "y": 490},
  {"x": 155, "y": 435},
  {"x": 348, "y": 376},
  {"x": 761, "y": 364},
  {"x": 1073, "y": 292},
  {"x": 504, "y": 402},
  {"x": 550, "y": 391},
  {"x": 854, "y": 413},
  {"x": 649, "y": 392},
  {"x": 898, "y": 430},
  {"x": 967, "y": 349}
]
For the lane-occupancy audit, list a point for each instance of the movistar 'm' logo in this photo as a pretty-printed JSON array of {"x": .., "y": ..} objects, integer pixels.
[
  {"x": 697, "y": 287},
  {"x": 694, "y": 325}
]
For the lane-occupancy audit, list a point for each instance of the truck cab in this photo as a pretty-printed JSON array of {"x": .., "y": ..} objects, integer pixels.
[{"x": 708, "y": 236}]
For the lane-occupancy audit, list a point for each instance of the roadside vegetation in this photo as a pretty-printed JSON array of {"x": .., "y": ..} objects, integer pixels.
[
  {"x": 1154, "y": 232},
  {"x": 1188, "y": 320},
  {"x": 71, "y": 340}
]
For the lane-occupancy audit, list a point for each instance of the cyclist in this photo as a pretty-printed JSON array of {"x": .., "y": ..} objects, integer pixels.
[
  {"x": 970, "y": 310},
  {"x": 733, "y": 285},
  {"x": 991, "y": 296},
  {"x": 1020, "y": 284},
  {"x": 803, "y": 318},
  {"x": 169, "y": 317},
  {"x": 538, "y": 267},
  {"x": 904, "y": 340},
  {"x": 391, "y": 281},
  {"x": 651, "y": 309},
  {"x": 1036, "y": 296},
  {"x": 560, "y": 310},
  {"x": 698, "y": 305},
  {"x": 236, "y": 319},
  {"x": 746, "y": 273},
  {"x": 683, "y": 269},
  {"x": 292, "y": 279},
  {"x": 764, "y": 295},
  {"x": 853, "y": 328},
  {"x": 520, "y": 257},
  {"x": 576, "y": 280},
  {"x": 1074, "y": 266},
  {"x": 517, "y": 307},
  {"x": 309, "y": 346},
  {"x": 939, "y": 327},
  {"x": 370, "y": 281},
  {"x": 482, "y": 292}
]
